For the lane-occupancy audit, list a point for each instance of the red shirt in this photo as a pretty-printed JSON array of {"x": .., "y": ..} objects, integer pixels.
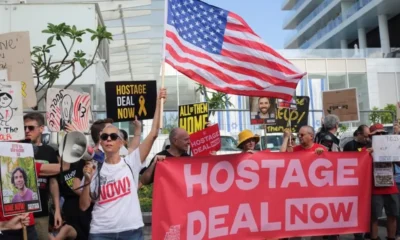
[
  {"x": 31, "y": 218},
  {"x": 300, "y": 148}
]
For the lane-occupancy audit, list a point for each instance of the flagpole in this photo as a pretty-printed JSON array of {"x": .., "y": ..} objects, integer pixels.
[{"x": 163, "y": 62}]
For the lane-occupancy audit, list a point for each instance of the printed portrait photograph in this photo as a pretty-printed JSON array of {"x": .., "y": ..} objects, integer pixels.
[
  {"x": 262, "y": 110},
  {"x": 18, "y": 180}
]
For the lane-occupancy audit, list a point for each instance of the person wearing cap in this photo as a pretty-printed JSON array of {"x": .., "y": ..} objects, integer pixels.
[
  {"x": 383, "y": 198},
  {"x": 248, "y": 141}
]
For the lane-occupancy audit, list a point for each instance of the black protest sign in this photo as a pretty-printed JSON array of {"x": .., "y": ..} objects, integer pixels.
[
  {"x": 125, "y": 100},
  {"x": 298, "y": 118},
  {"x": 193, "y": 117}
]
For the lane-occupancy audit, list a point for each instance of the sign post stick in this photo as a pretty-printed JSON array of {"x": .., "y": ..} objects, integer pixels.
[
  {"x": 162, "y": 100},
  {"x": 24, "y": 232}
]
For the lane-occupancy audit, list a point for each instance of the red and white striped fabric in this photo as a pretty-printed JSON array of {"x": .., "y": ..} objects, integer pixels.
[{"x": 217, "y": 49}]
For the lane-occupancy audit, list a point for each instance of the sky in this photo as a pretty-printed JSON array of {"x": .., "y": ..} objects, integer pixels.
[{"x": 265, "y": 17}]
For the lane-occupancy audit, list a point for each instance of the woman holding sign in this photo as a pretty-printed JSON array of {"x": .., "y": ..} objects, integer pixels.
[{"x": 116, "y": 213}]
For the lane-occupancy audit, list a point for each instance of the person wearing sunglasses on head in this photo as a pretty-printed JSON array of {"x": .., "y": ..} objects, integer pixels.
[{"x": 113, "y": 187}]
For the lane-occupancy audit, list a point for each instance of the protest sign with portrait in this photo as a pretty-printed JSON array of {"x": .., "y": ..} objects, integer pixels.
[
  {"x": 125, "y": 100},
  {"x": 262, "y": 110},
  {"x": 18, "y": 179},
  {"x": 193, "y": 117}
]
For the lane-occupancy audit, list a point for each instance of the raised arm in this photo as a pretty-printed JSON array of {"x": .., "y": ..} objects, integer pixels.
[
  {"x": 136, "y": 137},
  {"x": 286, "y": 141},
  {"x": 147, "y": 143}
]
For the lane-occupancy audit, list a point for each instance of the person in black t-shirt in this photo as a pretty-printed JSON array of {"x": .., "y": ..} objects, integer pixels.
[
  {"x": 76, "y": 222},
  {"x": 34, "y": 126},
  {"x": 361, "y": 140},
  {"x": 180, "y": 142}
]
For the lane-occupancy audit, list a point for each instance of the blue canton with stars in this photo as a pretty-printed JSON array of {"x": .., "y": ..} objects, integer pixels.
[{"x": 198, "y": 23}]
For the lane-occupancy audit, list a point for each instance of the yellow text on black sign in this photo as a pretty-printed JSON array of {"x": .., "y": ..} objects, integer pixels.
[
  {"x": 291, "y": 118},
  {"x": 193, "y": 117},
  {"x": 126, "y": 100}
]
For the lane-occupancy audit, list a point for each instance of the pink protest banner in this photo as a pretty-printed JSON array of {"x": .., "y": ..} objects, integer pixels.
[
  {"x": 262, "y": 195},
  {"x": 203, "y": 142}
]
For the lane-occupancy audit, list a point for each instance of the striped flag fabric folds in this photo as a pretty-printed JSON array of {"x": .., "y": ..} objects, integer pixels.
[{"x": 219, "y": 50}]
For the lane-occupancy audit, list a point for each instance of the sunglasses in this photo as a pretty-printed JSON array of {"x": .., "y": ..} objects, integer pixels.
[
  {"x": 105, "y": 136},
  {"x": 30, "y": 128}
]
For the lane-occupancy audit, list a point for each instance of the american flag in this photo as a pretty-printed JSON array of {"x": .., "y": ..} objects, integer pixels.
[{"x": 219, "y": 50}]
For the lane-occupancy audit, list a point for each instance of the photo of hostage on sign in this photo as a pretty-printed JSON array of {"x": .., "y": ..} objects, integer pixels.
[
  {"x": 271, "y": 195},
  {"x": 262, "y": 110},
  {"x": 125, "y": 100},
  {"x": 290, "y": 118},
  {"x": 193, "y": 117},
  {"x": 18, "y": 179},
  {"x": 206, "y": 141}
]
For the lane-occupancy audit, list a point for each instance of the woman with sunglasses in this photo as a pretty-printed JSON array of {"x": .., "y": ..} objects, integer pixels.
[{"x": 113, "y": 187}]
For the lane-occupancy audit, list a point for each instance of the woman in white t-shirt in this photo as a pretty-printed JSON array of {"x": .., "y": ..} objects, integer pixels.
[{"x": 113, "y": 188}]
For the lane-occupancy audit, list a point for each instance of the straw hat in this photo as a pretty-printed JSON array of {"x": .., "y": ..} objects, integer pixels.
[{"x": 246, "y": 135}]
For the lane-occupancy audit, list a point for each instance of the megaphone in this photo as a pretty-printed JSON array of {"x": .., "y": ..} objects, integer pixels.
[{"x": 74, "y": 147}]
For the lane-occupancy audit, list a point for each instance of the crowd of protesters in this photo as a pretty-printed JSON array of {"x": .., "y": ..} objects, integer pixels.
[{"x": 93, "y": 208}]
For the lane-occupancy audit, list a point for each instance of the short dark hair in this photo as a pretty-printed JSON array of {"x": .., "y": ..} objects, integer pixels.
[
  {"x": 125, "y": 134},
  {"x": 97, "y": 127},
  {"x": 38, "y": 117},
  {"x": 24, "y": 175}
]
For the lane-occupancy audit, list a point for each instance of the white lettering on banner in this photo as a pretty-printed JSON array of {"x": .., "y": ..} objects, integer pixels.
[
  {"x": 248, "y": 175},
  {"x": 342, "y": 175},
  {"x": 217, "y": 227},
  {"x": 205, "y": 139},
  {"x": 321, "y": 213},
  {"x": 208, "y": 146}
]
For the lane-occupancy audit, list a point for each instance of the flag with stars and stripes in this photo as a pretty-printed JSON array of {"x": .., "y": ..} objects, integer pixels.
[{"x": 219, "y": 50}]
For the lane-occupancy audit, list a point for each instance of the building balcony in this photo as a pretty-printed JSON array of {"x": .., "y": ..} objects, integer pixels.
[
  {"x": 336, "y": 22},
  {"x": 288, "y": 4},
  {"x": 301, "y": 11}
]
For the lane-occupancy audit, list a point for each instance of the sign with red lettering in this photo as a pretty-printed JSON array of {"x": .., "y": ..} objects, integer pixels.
[
  {"x": 262, "y": 195},
  {"x": 203, "y": 142},
  {"x": 19, "y": 183}
]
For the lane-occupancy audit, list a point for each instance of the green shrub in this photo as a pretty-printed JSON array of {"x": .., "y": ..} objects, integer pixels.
[{"x": 146, "y": 204}]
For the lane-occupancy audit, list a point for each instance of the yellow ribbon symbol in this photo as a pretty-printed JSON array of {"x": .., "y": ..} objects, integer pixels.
[
  {"x": 142, "y": 108},
  {"x": 23, "y": 89}
]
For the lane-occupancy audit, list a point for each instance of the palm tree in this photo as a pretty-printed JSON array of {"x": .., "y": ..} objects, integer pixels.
[{"x": 217, "y": 100}]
